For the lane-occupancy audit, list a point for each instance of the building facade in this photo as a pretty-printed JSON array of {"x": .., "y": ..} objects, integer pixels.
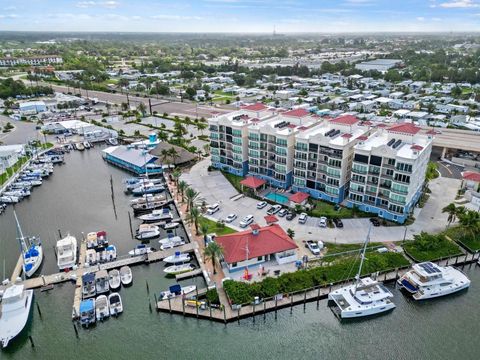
[{"x": 33, "y": 61}]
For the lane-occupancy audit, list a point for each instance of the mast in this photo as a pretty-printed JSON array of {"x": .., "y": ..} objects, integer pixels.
[
  {"x": 362, "y": 259},
  {"x": 21, "y": 238}
]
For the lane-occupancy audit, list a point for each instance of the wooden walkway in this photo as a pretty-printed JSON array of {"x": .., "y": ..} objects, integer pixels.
[
  {"x": 189, "y": 274},
  {"x": 77, "y": 297},
  {"x": 17, "y": 271}
]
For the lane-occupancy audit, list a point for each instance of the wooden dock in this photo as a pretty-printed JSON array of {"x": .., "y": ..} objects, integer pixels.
[
  {"x": 17, "y": 271},
  {"x": 189, "y": 274},
  {"x": 77, "y": 297}
]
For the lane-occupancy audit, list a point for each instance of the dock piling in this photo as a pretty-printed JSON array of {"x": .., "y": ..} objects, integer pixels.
[
  {"x": 31, "y": 341},
  {"x": 276, "y": 302},
  {"x": 130, "y": 223},
  {"x": 150, "y": 305},
  {"x": 156, "y": 302},
  {"x": 253, "y": 315},
  {"x": 169, "y": 305},
  {"x": 148, "y": 289},
  {"x": 224, "y": 315},
  {"x": 238, "y": 315},
  {"x": 304, "y": 301},
  {"x": 76, "y": 330},
  {"x": 318, "y": 298},
  {"x": 59, "y": 233},
  {"x": 264, "y": 310},
  {"x": 291, "y": 304},
  {"x": 39, "y": 312}
]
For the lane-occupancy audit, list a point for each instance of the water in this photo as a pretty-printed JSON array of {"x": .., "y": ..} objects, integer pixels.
[
  {"x": 77, "y": 198},
  {"x": 278, "y": 198}
]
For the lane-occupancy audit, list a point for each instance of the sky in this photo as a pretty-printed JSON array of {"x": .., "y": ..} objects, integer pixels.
[{"x": 241, "y": 15}]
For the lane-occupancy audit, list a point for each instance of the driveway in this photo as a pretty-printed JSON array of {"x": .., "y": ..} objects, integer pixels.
[{"x": 214, "y": 188}]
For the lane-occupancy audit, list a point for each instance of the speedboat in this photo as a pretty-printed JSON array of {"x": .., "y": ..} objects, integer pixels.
[
  {"x": 171, "y": 225},
  {"x": 177, "y": 258},
  {"x": 174, "y": 241},
  {"x": 9, "y": 199},
  {"x": 88, "y": 285},
  {"x": 92, "y": 240},
  {"x": 101, "y": 282},
  {"x": 102, "y": 310},
  {"x": 140, "y": 249},
  {"x": 115, "y": 304},
  {"x": 126, "y": 276},
  {"x": 102, "y": 238},
  {"x": 66, "y": 252},
  {"x": 178, "y": 269},
  {"x": 15, "y": 311},
  {"x": 87, "y": 312},
  {"x": 170, "y": 238},
  {"x": 157, "y": 215},
  {"x": 87, "y": 145},
  {"x": 146, "y": 232},
  {"x": 32, "y": 251},
  {"x": 102, "y": 255},
  {"x": 365, "y": 297},
  {"x": 91, "y": 257},
  {"x": 428, "y": 280},
  {"x": 111, "y": 252},
  {"x": 114, "y": 279},
  {"x": 80, "y": 146},
  {"x": 147, "y": 198},
  {"x": 177, "y": 290}
]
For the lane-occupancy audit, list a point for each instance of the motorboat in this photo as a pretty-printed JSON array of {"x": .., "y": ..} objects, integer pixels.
[
  {"x": 80, "y": 146},
  {"x": 102, "y": 239},
  {"x": 365, "y": 297},
  {"x": 87, "y": 312},
  {"x": 177, "y": 290},
  {"x": 147, "y": 206},
  {"x": 15, "y": 312},
  {"x": 9, "y": 199},
  {"x": 179, "y": 269},
  {"x": 140, "y": 249},
  {"x": 88, "y": 285},
  {"x": 91, "y": 257},
  {"x": 115, "y": 304},
  {"x": 134, "y": 183},
  {"x": 102, "y": 255},
  {"x": 102, "y": 310},
  {"x": 428, "y": 280},
  {"x": 111, "y": 252},
  {"x": 169, "y": 239},
  {"x": 66, "y": 252},
  {"x": 112, "y": 141},
  {"x": 148, "y": 188},
  {"x": 146, "y": 232},
  {"x": 148, "y": 198},
  {"x": 101, "y": 282},
  {"x": 157, "y": 215},
  {"x": 2, "y": 208},
  {"x": 171, "y": 225},
  {"x": 175, "y": 241},
  {"x": 87, "y": 145},
  {"x": 92, "y": 242},
  {"x": 31, "y": 248},
  {"x": 126, "y": 276},
  {"x": 114, "y": 279},
  {"x": 177, "y": 258}
]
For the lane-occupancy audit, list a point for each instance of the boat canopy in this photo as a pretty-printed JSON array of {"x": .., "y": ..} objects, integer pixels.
[
  {"x": 89, "y": 277},
  {"x": 175, "y": 289},
  {"x": 87, "y": 306},
  {"x": 32, "y": 252}
]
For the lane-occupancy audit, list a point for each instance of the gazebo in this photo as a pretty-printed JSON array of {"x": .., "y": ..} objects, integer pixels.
[
  {"x": 252, "y": 183},
  {"x": 299, "y": 198}
]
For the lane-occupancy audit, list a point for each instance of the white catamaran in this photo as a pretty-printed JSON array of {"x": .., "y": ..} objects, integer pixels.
[{"x": 32, "y": 251}]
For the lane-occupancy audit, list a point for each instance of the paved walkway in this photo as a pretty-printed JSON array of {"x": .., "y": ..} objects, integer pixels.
[{"x": 215, "y": 188}]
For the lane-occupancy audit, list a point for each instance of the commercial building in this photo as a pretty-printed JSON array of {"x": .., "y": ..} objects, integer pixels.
[
  {"x": 388, "y": 171},
  {"x": 382, "y": 65},
  {"x": 137, "y": 161},
  {"x": 32, "y": 107},
  {"x": 33, "y": 61}
]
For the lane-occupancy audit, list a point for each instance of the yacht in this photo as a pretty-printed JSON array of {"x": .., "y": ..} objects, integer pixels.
[
  {"x": 147, "y": 198},
  {"x": 92, "y": 240},
  {"x": 15, "y": 311},
  {"x": 115, "y": 304},
  {"x": 146, "y": 232},
  {"x": 148, "y": 188},
  {"x": 150, "y": 205},
  {"x": 102, "y": 238},
  {"x": 66, "y": 253},
  {"x": 87, "y": 312},
  {"x": 365, "y": 297},
  {"x": 157, "y": 215},
  {"x": 91, "y": 257},
  {"x": 102, "y": 309},
  {"x": 171, "y": 242},
  {"x": 101, "y": 282},
  {"x": 32, "y": 251},
  {"x": 111, "y": 252},
  {"x": 171, "y": 225},
  {"x": 114, "y": 279},
  {"x": 428, "y": 280},
  {"x": 126, "y": 276}
]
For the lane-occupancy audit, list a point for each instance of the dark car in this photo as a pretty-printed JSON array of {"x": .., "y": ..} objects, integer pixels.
[
  {"x": 290, "y": 216},
  {"x": 375, "y": 221},
  {"x": 338, "y": 223}
]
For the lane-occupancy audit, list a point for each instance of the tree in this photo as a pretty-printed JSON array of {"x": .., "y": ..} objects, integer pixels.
[
  {"x": 182, "y": 186},
  {"x": 191, "y": 196},
  {"x": 193, "y": 217},
  {"x": 173, "y": 154},
  {"x": 142, "y": 108},
  {"x": 124, "y": 106},
  {"x": 452, "y": 212},
  {"x": 470, "y": 221},
  {"x": 204, "y": 229},
  {"x": 290, "y": 233},
  {"x": 176, "y": 175},
  {"x": 213, "y": 252},
  {"x": 122, "y": 83},
  {"x": 201, "y": 126},
  {"x": 190, "y": 92}
]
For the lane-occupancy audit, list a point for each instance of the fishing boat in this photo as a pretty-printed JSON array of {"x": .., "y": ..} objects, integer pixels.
[
  {"x": 101, "y": 282},
  {"x": 87, "y": 312},
  {"x": 140, "y": 249},
  {"x": 88, "y": 285},
  {"x": 172, "y": 242},
  {"x": 177, "y": 258},
  {"x": 91, "y": 257},
  {"x": 171, "y": 225},
  {"x": 157, "y": 215},
  {"x": 146, "y": 232},
  {"x": 147, "y": 198},
  {"x": 32, "y": 251},
  {"x": 126, "y": 276},
  {"x": 102, "y": 310},
  {"x": 111, "y": 252},
  {"x": 114, "y": 280},
  {"x": 179, "y": 269},
  {"x": 80, "y": 146},
  {"x": 148, "y": 188},
  {"x": 365, "y": 297},
  {"x": 66, "y": 253},
  {"x": 428, "y": 280},
  {"x": 92, "y": 242},
  {"x": 15, "y": 312},
  {"x": 177, "y": 290},
  {"x": 115, "y": 304}
]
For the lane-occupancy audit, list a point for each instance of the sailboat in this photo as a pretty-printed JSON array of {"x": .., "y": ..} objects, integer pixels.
[
  {"x": 32, "y": 251},
  {"x": 365, "y": 297}
]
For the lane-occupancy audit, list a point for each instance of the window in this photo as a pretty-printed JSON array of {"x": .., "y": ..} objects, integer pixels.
[
  {"x": 404, "y": 167},
  {"x": 234, "y": 264},
  {"x": 301, "y": 146},
  {"x": 359, "y": 168},
  {"x": 361, "y": 158},
  {"x": 236, "y": 132},
  {"x": 281, "y": 142},
  {"x": 375, "y": 160},
  {"x": 260, "y": 258}
]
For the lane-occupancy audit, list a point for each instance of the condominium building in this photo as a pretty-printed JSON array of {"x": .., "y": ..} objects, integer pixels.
[
  {"x": 229, "y": 137},
  {"x": 34, "y": 60},
  {"x": 388, "y": 171},
  {"x": 323, "y": 157}
]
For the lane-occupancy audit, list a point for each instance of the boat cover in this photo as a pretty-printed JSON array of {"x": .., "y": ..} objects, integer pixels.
[{"x": 176, "y": 289}]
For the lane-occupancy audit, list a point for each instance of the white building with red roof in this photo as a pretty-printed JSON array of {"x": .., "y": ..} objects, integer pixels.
[{"x": 256, "y": 246}]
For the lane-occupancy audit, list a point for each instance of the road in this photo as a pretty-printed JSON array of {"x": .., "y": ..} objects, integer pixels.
[{"x": 21, "y": 134}]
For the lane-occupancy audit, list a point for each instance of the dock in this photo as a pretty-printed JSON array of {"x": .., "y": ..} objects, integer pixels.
[
  {"x": 162, "y": 254},
  {"x": 77, "y": 297},
  {"x": 189, "y": 274},
  {"x": 17, "y": 271}
]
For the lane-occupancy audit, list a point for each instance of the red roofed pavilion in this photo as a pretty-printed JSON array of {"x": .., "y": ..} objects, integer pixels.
[
  {"x": 299, "y": 197},
  {"x": 252, "y": 182}
]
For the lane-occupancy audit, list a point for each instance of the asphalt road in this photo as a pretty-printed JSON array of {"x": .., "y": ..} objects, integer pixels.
[
  {"x": 449, "y": 170},
  {"x": 22, "y": 133}
]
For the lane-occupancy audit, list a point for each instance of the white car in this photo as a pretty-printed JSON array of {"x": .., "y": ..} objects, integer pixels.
[
  {"x": 247, "y": 220},
  {"x": 261, "y": 204},
  {"x": 212, "y": 209},
  {"x": 302, "y": 219},
  {"x": 282, "y": 212},
  {"x": 230, "y": 218},
  {"x": 274, "y": 209},
  {"x": 322, "y": 222}
]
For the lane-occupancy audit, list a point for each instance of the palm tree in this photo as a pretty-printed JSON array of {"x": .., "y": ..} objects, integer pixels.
[
  {"x": 201, "y": 126},
  {"x": 451, "y": 210},
  {"x": 290, "y": 233},
  {"x": 470, "y": 221},
  {"x": 176, "y": 175},
  {"x": 191, "y": 196},
  {"x": 182, "y": 186},
  {"x": 165, "y": 155},
  {"x": 204, "y": 229},
  {"x": 193, "y": 217},
  {"x": 213, "y": 251},
  {"x": 142, "y": 108},
  {"x": 173, "y": 154}
]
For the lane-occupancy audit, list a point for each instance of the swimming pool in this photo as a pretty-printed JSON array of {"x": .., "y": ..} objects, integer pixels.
[{"x": 278, "y": 198}]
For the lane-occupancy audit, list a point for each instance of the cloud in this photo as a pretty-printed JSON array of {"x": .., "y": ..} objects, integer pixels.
[
  {"x": 105, "y": 4},
  {"x": 459, "y": 4},
  {"x": 420, "y": 18},
  {"x": 8, "y": 16},
  {"x": 175, "y": 17}
]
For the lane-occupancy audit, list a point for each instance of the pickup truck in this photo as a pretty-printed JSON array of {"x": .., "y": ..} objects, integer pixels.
[{"x": 313, "y": 247}]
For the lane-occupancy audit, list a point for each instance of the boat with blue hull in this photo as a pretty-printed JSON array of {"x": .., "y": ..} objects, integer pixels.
[{"x": 32, "y": 250}]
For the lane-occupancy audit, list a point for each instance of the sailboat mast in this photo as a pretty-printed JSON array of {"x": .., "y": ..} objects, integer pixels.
[
  {"x": 21, "y": 238},
  {"x": 362, "y": 259}
]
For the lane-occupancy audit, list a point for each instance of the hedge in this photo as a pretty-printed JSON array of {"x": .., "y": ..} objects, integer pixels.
[{"x": 429, "y": 247}]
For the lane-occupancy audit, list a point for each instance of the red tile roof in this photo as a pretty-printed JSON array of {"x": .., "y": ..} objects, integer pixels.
[
  {"x": 270, "y": 219},
  {"x": 255, "y": 107},
  {"x": 471, "y": 176},
  {"x": 269, "y": 240},
  {"x": 367, "y": 123},
  {"x": 296, "y": 113},
  {"x": 362, "y": 137},
  {"x": 347, "y": 136},
  {"x": 345, "y": 120},
  {"x": 299, "y": 197},
  {"x": 432, "y": 132},
  {"x": 252, "y": 182},
  {"x": 405, "y": 128},
  {"x": 416, "y": 147}
]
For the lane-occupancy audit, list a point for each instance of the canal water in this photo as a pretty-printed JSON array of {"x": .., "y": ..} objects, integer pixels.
[{"x": 77, "y": 198}]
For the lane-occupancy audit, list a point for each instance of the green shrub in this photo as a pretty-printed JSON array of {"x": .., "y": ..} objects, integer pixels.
[{"x": 212, "y": 296}]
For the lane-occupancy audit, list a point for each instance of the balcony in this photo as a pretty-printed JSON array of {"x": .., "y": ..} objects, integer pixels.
[
  {"x": 385, "y": 185},
  {"x": 358, "y": 171},
  {"x": 400, "y": 192},
  {"x": 396, "y": 202}
]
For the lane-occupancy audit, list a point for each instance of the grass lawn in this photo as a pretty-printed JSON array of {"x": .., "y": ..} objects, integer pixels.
[
  {"x": 333, "y": 248},
  {"x": 214, "y": 227},
  {"x": 234, "y": 180},
  {"x": 471, "y": 242},
  {"x": 12, "y": 170},
  {"x": 433, "y": 247},
  {"x": 326, "y": 209}
]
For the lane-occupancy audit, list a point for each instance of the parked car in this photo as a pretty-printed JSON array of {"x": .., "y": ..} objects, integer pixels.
[
  {"x": 322, "y": 222},
  {"x": 375, "y": 221},
  {"x": 313, "y": 247},
  {"x": 274, "y": 209},
  {"x": 230, "y": 218},
  {"x": 291, "y": 215},
  {"x": 247, "y": 220},
  {"x": 302, "y": 219},
  {"x": 212, "y": 209},
  {"x": 338, "y": 223},
  {"x": 261, "y": 204},
  {"x": 282, "y": 212}
]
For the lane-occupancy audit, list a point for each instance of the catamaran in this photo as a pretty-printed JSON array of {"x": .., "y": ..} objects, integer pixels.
[
  {"x": 31, "y": 248},
  {"x": 364, "y": 298}
]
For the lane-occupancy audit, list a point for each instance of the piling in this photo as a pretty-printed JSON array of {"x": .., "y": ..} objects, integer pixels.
[
  {"x": 253, "y": 314},
  {"x": 39, "y": 312},
  {"x": 264, "y": 310},
  {"x": 149, "y": 305},
  {"x": 169, "y": 305},
  {"x": 238, "y": 315},
  {"x": 291, "y": 304},
  {"x": 183, "y": 307},
  {"x": 148, "y": 289},
  {"x": 113, "y": 197},
  {"x": 318, "y": 298},
  {"x": 156, "y": 302},
  {"x": 76, "y": 330},
  {"x": 304, "y": 300},
  {"x": 276, "y": 300},
  {"x": 31, "y": 341},
  {"x": 59, "y": 233},
  {"x": 224, "y": 315},
  {"x": 210, "y": 308},
  {"x": 130, "y": 223}
]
